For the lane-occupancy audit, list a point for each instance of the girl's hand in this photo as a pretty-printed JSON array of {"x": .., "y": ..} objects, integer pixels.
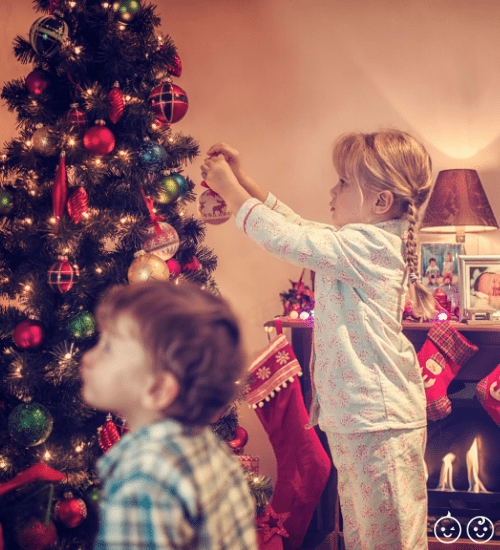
[
  {"x": 218, "y": 175},
  {"x": 231, "y": 156}
]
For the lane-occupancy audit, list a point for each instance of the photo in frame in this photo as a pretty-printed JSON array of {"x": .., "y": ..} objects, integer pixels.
[
  {"x": 439, "y": 269},
  {"x": 479, "y": 287}
]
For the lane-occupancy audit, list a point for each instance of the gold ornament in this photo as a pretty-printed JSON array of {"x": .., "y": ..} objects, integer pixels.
[{"x": 147, "y": 267}]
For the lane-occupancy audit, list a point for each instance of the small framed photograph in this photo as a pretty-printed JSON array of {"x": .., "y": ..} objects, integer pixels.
[
  {"x": 479, "y": 288},
  {"x": 439, "y": 263}
]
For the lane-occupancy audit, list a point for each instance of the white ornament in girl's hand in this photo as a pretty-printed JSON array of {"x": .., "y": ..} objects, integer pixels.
[{"x": 213, "y": 209}]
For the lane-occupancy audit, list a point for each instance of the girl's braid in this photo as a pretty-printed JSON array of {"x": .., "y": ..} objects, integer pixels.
[{"x": 411, "y": 243}]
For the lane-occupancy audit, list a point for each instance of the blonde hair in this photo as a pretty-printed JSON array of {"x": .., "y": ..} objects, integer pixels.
[{"x": 392, "y": 160}]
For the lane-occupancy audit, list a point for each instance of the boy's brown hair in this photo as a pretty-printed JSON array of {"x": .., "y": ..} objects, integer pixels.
[{"x": 189, "y": 332}]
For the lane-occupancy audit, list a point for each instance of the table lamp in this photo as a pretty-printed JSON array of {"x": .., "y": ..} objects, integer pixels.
[{"x": 458, "y": 204}]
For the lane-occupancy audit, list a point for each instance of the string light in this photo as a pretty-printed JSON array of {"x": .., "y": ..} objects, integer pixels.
[
  {"x": 98, "y": 270},
  {"x": 79, "y": 448},
  {"x": 29, "y": 143},
  {"x": 47, "y": 455},
  {"x": 78, "y": 50},
  {"x": 98, "y": 161},
  {"x": 52, "y": 220},
  {"x": 3, "y": 463}
]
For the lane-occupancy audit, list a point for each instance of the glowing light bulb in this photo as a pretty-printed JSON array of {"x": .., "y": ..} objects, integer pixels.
[
  {"x": 46, "y": 455},
  {"x": 79, "y": 448},
  {"x": 29, "y": 143},
  {"x": 67, "y": 356},
  {"x": 78, "y": 50},
  {"x": 98, "y": 270}
]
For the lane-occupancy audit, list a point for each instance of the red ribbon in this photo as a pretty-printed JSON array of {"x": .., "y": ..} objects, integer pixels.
[
  {"x": 154, "y": 217},
  {"x": 33, "y": 473},
  {"x": 212, "y": 193}
]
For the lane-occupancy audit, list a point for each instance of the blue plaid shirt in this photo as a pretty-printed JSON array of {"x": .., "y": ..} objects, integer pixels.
[{"x": 170, "y": 487}]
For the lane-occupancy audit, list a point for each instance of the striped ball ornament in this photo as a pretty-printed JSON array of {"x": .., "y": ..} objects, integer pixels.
[
  {"x": 47, "y": 34},
  {"x": 169, "y": 102}
]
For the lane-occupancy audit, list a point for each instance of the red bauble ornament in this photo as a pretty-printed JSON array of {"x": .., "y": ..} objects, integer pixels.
[
  {"x": 60, "y": 189},
  {"x": 108, "y": 435},
  {"x": 169, "y": 102},
  {"x": 77, "y": 204},
  {"x": 174, "y": 267},
  {"x": 175, "y": 68},
  {"x": 76, "y": 117},
  {"x": 28, "y": 334},
  {"x": 117, "y": 103},
  {"x": 37, "y": 81},
  {"x": 212, "y": 208},
  {"x": 61, "y": 275},
  {"x": 70, "y": 511},
  {"x": 160, "y": 239},
  {"x": 37, "y": 535},
  {"x": 240, "y": 439},
  {"x": 99, "y": 139}
]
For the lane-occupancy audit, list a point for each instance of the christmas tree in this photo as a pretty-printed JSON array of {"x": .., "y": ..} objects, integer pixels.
[{"x": 92, "y": 194}]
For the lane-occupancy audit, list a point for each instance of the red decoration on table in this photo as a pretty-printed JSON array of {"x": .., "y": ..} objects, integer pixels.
[
  {"x": 169, "y": 102},
  {"x": 37, "y": 81},
  {"x": 116, "y": 102},
  {"x": 76, "y": 117},
  {"x": 28, "y": 334},
  {"x": 61, "y": 275},
  {"x": 239, "y": 441},
  {"x": 99, "y": 139},
  {"x": 175, "y": 68},
  {"x": 272, "y": 523},
  {"x": 108, "y": 435},
  {"x": 37, "y": 535},
  {"x": 77, "y": 204},
  {"x": 60, "y": 189},
  {"x": 70, "y": 511}
]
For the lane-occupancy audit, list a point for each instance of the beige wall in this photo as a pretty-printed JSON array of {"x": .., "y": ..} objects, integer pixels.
[{"x": 279, "y": 80}]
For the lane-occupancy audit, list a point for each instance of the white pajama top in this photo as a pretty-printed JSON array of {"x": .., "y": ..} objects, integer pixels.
[{"x": 366, "y": 372}]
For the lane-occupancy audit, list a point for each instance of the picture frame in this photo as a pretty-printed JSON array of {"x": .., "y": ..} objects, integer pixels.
[
  {"x": 440, "y": 269},
  {"x": 479, "y": 288}
]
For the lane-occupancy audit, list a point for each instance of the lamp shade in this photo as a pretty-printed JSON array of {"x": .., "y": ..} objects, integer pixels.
[{"x": 458, "y": 203}]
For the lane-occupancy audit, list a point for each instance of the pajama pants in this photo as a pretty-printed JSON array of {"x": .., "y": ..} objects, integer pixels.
[{"x": 382, "y": 488}]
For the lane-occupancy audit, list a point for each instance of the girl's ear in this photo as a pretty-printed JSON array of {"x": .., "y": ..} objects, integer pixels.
[
  {"x": 161, "y": 392},
  {"x": 384, "y": 202}
]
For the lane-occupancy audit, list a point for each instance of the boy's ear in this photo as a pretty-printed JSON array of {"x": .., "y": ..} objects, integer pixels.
[
  {"x": 161, "y": 392},
  {"x": 384, "y": 202}
]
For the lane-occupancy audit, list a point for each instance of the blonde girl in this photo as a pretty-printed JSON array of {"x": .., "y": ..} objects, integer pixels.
[{"x": 369, "y": 394}]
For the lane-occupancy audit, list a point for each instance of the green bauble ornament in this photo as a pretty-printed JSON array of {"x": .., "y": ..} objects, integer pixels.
[
  {"x": 183, "y": 186},
  {"x": 126, "y": 10},
  {"x": 82, "y": 325},
  {"x": 170, "y": 190},
  {"x": 30, "y": 424},
  {"x": 6, "y": 202}
]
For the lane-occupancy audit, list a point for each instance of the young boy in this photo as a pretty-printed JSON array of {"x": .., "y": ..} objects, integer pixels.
[{"x": 168, "y": 360}]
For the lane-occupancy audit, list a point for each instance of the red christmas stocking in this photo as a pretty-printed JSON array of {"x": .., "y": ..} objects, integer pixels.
[
  {"x": 488, "y": 393},
  {"x": 440, "y": 358},
  {"x": 303, "y": 464}
]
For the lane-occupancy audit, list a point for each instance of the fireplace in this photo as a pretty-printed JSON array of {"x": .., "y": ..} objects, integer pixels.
[{"x": 462, "y": 455}]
